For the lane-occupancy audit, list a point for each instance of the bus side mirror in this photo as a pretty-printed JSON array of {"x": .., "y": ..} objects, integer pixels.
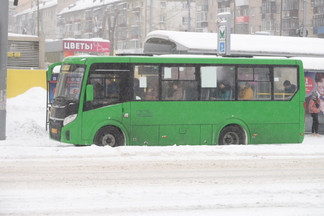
[
  {"x": 89, "y": 93},
  {"x": 53, "y": 69}
]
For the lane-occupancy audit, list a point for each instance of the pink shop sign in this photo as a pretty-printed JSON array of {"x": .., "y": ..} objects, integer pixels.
[{"x": 86, "y": 46}]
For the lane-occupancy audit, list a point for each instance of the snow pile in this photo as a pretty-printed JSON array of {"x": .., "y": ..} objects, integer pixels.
[{"x": 26, "y": 116}]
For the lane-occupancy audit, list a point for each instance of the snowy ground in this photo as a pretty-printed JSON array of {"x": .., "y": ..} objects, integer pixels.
[{"x": 44, "y": 177}]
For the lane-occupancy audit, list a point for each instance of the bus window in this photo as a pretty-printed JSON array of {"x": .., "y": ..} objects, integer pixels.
[
  {"x": 285, "y": 82},
  {"x": 217, "y": 82},
  {"x": 254, "y": 83},
  {"x": 146, "y": 82},
  {"x": 179, "y": 83},
  {"x": 70, "y": 81},
  {"x": 110, "y": 84}
]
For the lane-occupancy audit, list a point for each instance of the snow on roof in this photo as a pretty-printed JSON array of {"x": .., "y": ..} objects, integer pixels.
[
  {"x": 243, "y": 44},
  {"x": 87, "y": 39},
  {"x": 86, "y": 4},
  {"x": 42, "y": 5},
  {"x": 312, "y": 63},
  {"x": 21, "y": 35}
]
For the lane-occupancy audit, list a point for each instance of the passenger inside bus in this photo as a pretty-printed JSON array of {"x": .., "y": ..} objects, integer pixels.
[
  {"x": 289, "y": 88},
  {"x": 246, "y": 92},
  {"x": 175, "y": 93},
  {"x": 222, "y": 92},
  {"x": 150, "y": 94}
]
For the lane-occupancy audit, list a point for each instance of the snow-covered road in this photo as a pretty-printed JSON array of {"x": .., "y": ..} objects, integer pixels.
[
  {"x": 149, "y": 185},
  {"x": 43, "y": 177}
]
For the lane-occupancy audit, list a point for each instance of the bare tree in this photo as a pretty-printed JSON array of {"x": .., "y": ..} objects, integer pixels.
[{"x": 111, "y": 17}]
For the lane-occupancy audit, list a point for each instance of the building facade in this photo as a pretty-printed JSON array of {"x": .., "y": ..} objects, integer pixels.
[
  {"x": 124, "y": 23},
  {"x": 37, "y": 20},
  {"x": 127, "y": 22}
]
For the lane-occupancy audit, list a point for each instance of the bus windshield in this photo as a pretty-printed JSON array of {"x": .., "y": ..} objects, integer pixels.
[{"x": 69, "y": 81}]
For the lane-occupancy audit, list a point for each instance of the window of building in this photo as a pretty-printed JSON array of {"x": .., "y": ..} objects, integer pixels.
[{"x": 163, "y": 5}]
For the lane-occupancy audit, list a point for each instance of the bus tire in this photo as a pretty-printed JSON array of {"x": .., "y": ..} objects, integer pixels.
[
  {"x": 232, "y": 135},
  {"x": 109, "y": 136}
]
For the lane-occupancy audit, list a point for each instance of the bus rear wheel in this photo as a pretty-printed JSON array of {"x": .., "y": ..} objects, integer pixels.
[
  {"x": 232, "y": 135},
  {"x": 109, "y": 136}
]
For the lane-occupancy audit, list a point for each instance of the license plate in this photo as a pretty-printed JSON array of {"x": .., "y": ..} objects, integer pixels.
[{"x": 54, "y": 130}]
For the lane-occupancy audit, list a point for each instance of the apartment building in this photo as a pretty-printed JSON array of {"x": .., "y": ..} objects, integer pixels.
[
  {"x": 124, "y": 23},
  {"x": 318, "y": 17},
  {"x": 127, "y": 22},
  {"x": 37, "y": 20},
  {"x": 266, "y": 16}
]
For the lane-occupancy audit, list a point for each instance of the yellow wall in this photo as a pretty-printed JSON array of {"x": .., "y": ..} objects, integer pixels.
[{"x": 19, "y": 81}]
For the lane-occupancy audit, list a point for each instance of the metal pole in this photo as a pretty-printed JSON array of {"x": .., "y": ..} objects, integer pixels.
[
  {"x": 304, "y": 18},
  {"x": 281, "y": 4},
  {"x": 234, "y": 17},
  {"x": 151, "y": 15},
  {"x": 189, "y": 16},
  {"x": 3, "y": 65},
  {"x": 38, "y": 18}
]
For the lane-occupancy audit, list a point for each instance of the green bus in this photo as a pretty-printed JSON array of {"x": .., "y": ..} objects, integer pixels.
[{"x": 178, "y": 100}]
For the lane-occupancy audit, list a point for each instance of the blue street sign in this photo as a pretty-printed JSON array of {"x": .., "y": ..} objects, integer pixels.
[{"x": 222, "y": 47}]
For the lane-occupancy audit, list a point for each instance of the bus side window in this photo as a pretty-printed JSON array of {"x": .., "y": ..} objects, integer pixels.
[
  {"x": 285, "y": 77},
  {"x": 179, "y": 83},
  {"x": 254, "y": 83},
  {"x": 146, "y": 82},
  {"x": 217, "y": 83},
  {"x": 110, "y": 84}
]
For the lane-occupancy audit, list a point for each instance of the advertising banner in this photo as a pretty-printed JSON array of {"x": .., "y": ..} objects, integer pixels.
[
  {"x": 314, "y": 83},
  {"x": 86, "y": 46}
]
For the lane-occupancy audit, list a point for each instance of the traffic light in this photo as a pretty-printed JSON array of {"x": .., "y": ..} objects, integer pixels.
[{"x": 15, "y": 2}]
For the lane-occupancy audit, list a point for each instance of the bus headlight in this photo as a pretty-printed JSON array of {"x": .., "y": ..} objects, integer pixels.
[{"x": 69, "y": 119}]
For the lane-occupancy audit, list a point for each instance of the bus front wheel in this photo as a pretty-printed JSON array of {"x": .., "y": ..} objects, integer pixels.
[
  {"x": 109, "y": 136},
  {"x": 232, "y": 135}
]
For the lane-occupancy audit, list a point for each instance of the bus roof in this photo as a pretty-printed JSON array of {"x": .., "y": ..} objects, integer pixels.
[{"x": 178, "y": 59}]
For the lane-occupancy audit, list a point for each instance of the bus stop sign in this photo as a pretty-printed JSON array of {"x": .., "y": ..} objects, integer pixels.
[{"x": 224, "y": 34}]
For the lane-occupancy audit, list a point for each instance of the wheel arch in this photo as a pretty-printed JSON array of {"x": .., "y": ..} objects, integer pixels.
[
  {"x": 233, "y": 122},
  {"x": 115, "y": 124}
]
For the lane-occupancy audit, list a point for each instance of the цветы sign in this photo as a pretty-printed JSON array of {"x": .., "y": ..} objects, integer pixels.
[{"x": 86, "y": 46}]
